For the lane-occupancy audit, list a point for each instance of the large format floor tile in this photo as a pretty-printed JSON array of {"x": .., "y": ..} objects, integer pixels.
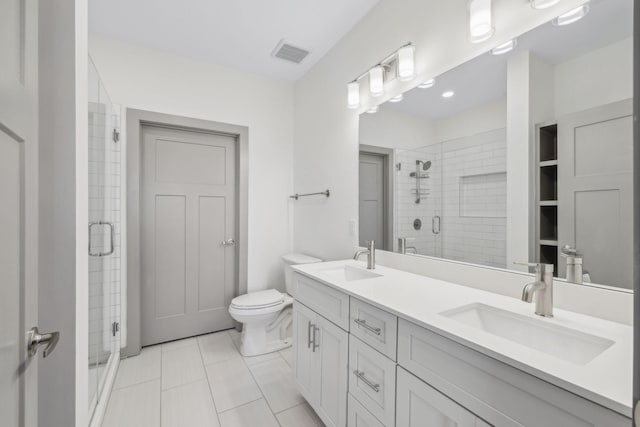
[
  {"x": 141, "y": 368},
  {"x": 181, "y": 366},
  {"x": 299, "y": 416},
  {"x": 231, "y": 384},
  {"x": 217, "y": 347},
  {"x": 134, "y": 406},
  {"x": 189, "y": 405},
  {"x": 252, "y": 414},
  {"x": 204, "y": 381},
  {"x": 275, "y": 379}
]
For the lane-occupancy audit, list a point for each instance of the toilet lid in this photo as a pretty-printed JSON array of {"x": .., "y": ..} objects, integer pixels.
[{"x": 260, "y": 299}]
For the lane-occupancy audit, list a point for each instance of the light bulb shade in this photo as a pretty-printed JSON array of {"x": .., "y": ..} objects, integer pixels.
[
  {"x": 543, "y": 4},
  {"x": 353, "y": 95},
  {"x": 572, "y": 16},
  {"x": 480, "y": 21},
  {"x": 376, "y": 81},
  {"x": 406, "y": 66}
]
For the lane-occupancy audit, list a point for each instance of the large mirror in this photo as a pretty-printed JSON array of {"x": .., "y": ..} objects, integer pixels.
[{"x": 517, "y": 155}]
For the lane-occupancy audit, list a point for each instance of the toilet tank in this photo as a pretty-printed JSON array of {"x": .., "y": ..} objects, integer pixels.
[{"x": 295, "y": 259}]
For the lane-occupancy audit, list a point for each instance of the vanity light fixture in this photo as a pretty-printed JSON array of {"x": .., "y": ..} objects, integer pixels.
[
  {"x": 504, "y": 47},
  {"x": 448, "y": 94},
  {"x": 572, "y": 16},
  {"x": 480, "y": 21},
  {"x": 397, "y": 98},
  {"x": 400, "y": 64},
  {"x": 373, "y": 110},
  {"x": 427, "y": 84},
  {"x": 376, "y": 81},
  {"x": 543, "y": 4},
  {"x": 353, "y": 95},
  {"x": 406, "y": 66}
]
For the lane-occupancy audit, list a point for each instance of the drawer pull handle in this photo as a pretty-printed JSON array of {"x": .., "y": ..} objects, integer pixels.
[
  {"x": 315, "y": 344},
  {"x": 365, "y": 325},
  {"x": 360, "y": 375}
]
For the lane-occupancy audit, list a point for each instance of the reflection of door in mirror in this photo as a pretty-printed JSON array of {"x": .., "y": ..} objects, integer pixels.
[
  {"x": 595, "y": 191},
  {"x": 376, "y": 186}
]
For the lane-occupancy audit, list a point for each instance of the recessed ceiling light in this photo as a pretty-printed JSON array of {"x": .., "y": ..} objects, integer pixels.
[
  {"x": 448, "y": 94},
  {"x": 373, "y": 110},
  {"x": 426, "y": 85},
  {"x": 543, "y": 4},
  {"x": 397, "y": 98},
  {"x": 572, "y": 16},
  {"x": 504, "y": 47}
]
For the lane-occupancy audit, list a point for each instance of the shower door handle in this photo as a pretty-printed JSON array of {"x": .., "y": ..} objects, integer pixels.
[
  {"x": 228, "y": 242},
  {"x": 111, "y": 238},
  {"x": 435, "y": 225}
]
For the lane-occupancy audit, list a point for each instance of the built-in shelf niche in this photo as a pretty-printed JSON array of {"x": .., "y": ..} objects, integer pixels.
[{"x": 547, "y": 195}]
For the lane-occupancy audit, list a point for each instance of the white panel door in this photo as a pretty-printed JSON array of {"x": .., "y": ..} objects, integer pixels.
[
  {"x": 372, "y": 200},
  {"x": 595, "y": 191},
  {"x": 331, "y": 368},
  {"x": 188, "y": 233},
  {"x": 18, "y": 214},
  {"x": 419, "y": 405}
]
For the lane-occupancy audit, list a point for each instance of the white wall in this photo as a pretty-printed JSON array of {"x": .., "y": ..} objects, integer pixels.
[
  {"x": 487, "y": 117},
  {"x": 395, "y": 129},
  {"x": 326, "y": 132},
  {"x": 148, "y": 79},
  {"x": 596, "y": 78}
]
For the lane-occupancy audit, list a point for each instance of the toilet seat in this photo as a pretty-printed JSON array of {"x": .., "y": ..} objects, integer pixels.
[{"x": 258, "y": 300}]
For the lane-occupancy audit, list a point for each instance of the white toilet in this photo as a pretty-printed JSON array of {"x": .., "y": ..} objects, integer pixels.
[{"x": 266, "y": 316}]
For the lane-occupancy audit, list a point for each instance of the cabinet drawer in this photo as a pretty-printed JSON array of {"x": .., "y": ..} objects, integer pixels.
[
  {"x": 498, "y": 393},
  {"x": 372, "y": 380},
  {"x": 422, "y": 405},
  {"x": 324, "y": 300},
  {"x": 359, "y": 416},
  {"x": 376, "y": 327}
]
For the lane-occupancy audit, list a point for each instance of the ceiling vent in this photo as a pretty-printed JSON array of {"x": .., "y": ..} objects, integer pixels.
[{"x": 289, "y": 52}]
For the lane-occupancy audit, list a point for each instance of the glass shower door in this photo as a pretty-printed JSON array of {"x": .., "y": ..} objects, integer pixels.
[{"x": 103, "y": 250}]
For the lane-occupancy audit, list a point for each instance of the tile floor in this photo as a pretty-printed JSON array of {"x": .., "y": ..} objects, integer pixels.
[{"x": 204, "y": 381}]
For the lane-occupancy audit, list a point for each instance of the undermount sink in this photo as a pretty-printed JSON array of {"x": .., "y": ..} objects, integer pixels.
[
  {"x": 349, "y": 274},
  {"x": 564, "y": 343}
]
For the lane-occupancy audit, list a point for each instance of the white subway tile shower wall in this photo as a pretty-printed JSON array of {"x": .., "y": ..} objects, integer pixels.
[{"x": 466, "y": 188}]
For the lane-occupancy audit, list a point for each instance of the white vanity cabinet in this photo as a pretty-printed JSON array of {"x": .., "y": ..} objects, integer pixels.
[
  {"x": 320, "y": 364},
  {"x": 359, "y": 365}
]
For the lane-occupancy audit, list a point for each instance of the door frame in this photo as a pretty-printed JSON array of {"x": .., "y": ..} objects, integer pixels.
[
  {"x": 135, "y": 120},
  {"x": 388, "y": 161}
]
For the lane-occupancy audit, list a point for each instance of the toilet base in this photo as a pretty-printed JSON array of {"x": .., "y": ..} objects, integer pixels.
[{"x": 257, "y": 339}]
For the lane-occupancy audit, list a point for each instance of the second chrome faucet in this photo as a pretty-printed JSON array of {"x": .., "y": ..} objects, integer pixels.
[{"x": 542, "y": 287}]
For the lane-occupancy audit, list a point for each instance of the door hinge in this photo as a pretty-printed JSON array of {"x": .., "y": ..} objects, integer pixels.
[
  {"x": 115, "y": 327},
  {"x": 116, "y": 135}
]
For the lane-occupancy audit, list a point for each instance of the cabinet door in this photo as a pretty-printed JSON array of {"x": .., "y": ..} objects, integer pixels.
[
  {"x": 331, "y": 352},
  {"x": 418, "y": 405},
  {"x": 359, "y": 416},
  {"x": 303, "y": 357}
]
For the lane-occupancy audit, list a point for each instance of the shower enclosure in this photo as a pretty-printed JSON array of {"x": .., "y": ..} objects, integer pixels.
[
  {"x": 104, "y": 237},
  {"x": 451, "y": 199}
]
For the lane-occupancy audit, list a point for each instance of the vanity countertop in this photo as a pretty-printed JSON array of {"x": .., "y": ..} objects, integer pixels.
[{"x": 606, "y": 380}]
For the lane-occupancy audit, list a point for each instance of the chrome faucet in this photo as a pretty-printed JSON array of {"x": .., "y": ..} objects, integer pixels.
[
  {"x": 543, "y": 287},
  {"x": 574, "y": 264},
  {"x": 403, "y": 248},
  {"x": 371, "y": 255}
]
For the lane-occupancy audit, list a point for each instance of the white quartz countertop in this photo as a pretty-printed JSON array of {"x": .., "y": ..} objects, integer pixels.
[{"x": 606, "y": 380}]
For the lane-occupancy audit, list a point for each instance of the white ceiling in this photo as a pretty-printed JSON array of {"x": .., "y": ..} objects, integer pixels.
[
  {"x": 484, "y": 79},
  {"x": 235, "y": 33}
]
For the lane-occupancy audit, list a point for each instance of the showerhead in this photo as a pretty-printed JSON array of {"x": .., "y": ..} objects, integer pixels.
[{"x": 426, "y": 165}]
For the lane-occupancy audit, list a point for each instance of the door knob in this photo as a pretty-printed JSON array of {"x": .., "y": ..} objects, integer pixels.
[
  {"x": 228, "y": 242},
  {"x": 35, "y": 339}
]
